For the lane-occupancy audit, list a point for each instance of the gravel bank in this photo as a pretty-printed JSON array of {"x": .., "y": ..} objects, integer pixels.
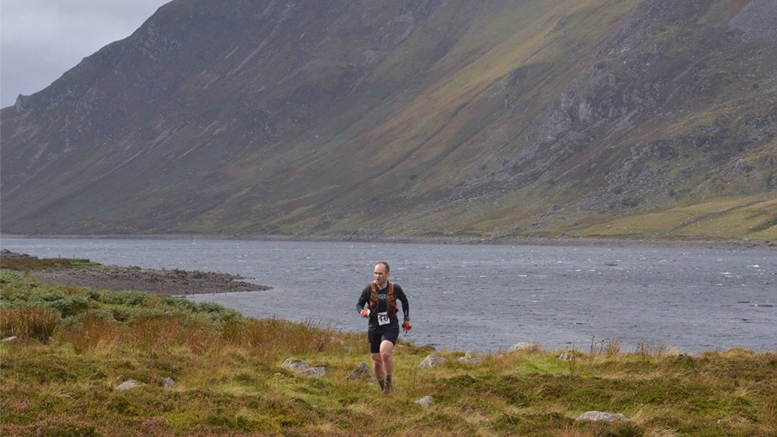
[{"x": 164, "y": 282}]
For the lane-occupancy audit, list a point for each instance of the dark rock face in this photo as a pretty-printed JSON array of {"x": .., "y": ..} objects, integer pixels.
[{"x": 310, "y": 117}]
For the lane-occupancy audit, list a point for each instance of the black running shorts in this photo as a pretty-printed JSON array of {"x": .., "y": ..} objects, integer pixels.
[{"x": 377, "y": 336}]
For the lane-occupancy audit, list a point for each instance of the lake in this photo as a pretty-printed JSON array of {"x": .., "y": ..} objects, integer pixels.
[{"x": 484, "y": 298}]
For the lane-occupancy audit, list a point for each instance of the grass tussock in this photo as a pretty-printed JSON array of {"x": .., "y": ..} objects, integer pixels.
[
  {"x": 76, "y": 346},
  {"x": 30, "y": 322}
]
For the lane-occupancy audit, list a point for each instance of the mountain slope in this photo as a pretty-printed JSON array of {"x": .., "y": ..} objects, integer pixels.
[{"x": 409, "y": 118}]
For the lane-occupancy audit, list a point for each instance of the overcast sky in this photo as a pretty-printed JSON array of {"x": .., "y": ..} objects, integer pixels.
[{"x": 41, "y": 39}]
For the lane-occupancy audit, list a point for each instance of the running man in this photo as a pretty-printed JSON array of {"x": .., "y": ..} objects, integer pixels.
[{"x": 383, "y": 329}]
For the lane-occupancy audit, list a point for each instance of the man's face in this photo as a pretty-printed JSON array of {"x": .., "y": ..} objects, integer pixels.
[{"x": 381, "y": 276}]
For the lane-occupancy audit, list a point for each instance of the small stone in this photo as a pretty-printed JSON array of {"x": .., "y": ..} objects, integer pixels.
[
  {"x": 362, "y": 371},
  {"x": 9, "y": 339},
  {"x": 425, "y": 401},
  {"x": 127, "y": 385},
  {"x": 524, "y": 346},
  {"x": 468, "y": 358},
  {"x": 168, "y": 383},
  {"x": 294, "y": 364},
  {"x": 431, "y": 361},
  {"x": 313, "y": 372},
  {"x": 600, "y": 416},
  {"x": 301, "y": 368}
]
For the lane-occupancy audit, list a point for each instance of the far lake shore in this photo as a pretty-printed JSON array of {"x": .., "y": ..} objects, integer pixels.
[
  {"x": 166, "y": 282},
  {"x": 744, "y": 244}
]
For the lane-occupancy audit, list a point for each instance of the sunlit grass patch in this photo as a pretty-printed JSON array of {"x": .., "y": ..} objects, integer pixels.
[{"x": 718, "y": 219}]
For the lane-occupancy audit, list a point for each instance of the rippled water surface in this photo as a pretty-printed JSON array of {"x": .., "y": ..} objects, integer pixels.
[{"x": 485, "y": 298}]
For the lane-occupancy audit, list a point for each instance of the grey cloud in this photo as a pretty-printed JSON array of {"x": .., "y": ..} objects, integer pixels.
[{"x": 41, "y": 39}]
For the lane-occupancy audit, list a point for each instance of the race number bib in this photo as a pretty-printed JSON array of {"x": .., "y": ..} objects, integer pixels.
[{"x": 383, "y": 319}]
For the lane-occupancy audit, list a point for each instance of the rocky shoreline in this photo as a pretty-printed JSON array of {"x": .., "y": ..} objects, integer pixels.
[
  {"x": 165, "y": 282},
  {"x": 744, "y": 244}
]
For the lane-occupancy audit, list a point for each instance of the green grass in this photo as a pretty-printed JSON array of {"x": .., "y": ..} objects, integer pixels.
[
  {"x": 716, "y": 219},
  {"x": 60, "y": 378}
]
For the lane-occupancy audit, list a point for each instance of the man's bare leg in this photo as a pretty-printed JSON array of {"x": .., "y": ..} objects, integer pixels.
[
  {"x": 377, "y": 367},
  {"x": 387, "y": 358}
]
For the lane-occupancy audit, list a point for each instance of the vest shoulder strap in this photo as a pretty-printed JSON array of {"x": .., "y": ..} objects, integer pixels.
[{"x": 374, "y": 293}]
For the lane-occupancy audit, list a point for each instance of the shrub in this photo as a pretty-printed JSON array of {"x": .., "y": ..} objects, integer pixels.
[
  {"x": 69, "y": 305},
  {"x": 132, "y": 298},
  {"x": 8, "y": 277},
  {"x": 67, "y": 300}
]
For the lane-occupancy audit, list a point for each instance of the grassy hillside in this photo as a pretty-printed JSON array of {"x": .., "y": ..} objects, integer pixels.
[
  {"x": 627, "y": 118},
  {"x": 76, "y": 346}
]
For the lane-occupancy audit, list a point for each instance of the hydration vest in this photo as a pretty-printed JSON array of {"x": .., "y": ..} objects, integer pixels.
[{"x": 390, "y": 301}]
